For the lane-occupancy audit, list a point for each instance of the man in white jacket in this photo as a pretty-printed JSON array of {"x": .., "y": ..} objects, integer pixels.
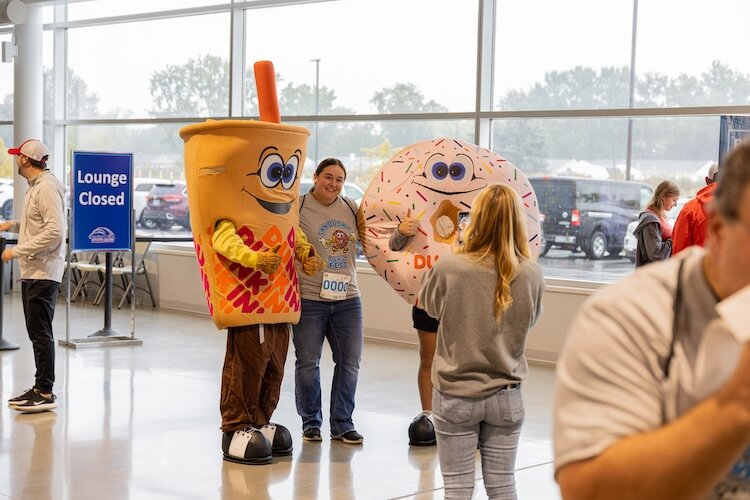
[
  {"x": 41, "y": 261},
  {"x": 629, "y": 420}
]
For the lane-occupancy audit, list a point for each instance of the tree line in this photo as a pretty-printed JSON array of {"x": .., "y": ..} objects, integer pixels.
[{"x": 200, "y": 87}]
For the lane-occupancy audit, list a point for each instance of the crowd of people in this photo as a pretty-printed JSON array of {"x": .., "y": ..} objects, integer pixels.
[{"x": 628, "y": 422}]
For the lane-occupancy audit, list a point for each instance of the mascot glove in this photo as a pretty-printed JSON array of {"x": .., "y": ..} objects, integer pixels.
[
  {"x": 312, "y": 265},
  {"x": 408, "y": 226},
  {"x": 268, "y": 262}
]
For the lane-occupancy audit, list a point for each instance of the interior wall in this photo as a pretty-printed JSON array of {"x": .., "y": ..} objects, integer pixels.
[{"x": 387, "y": 316}]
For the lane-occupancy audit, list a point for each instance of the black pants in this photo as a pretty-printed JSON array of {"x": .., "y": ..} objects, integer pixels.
[{"x": 39, "y": 297}]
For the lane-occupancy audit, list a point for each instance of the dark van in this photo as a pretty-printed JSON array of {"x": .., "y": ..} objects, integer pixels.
[{"x": 591, "y": 215}]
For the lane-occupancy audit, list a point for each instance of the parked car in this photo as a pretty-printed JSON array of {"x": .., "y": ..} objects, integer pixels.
[
  {"x": 141, "y": 188},
  {"x": 166, "y": 205},
  {"x": 630, "y": 243},
  {"x": 351, "y": 190},
  {"x": 590, "y": 215}
]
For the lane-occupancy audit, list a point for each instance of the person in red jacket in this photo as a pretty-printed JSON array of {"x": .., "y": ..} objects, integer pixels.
[{"x": 690, "y": 226}]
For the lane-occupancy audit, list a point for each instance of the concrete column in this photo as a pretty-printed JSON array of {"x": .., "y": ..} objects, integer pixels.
[{"x": 28, "y": 84}]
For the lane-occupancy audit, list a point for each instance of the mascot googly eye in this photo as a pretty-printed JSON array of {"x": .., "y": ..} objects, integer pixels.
[{"x": 433, "y": 181}]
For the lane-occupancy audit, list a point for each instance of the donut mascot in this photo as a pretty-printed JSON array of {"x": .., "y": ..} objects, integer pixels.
[
  {"x": 412, "y": 213},
  {"x": 243, "y": 185}
]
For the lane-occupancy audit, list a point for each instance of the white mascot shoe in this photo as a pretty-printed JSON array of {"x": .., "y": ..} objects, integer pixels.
[
  {"x": 248, "y": 446},
  {"x": 279, "y": 437}
]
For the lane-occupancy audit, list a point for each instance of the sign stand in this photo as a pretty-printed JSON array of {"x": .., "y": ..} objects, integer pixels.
[
  {"x": 5, "y": 345},
  {"x": 86, "y": 166}
]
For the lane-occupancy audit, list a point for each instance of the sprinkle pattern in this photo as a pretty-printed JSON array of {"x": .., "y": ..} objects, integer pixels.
[{"x": 409, "y": 182}]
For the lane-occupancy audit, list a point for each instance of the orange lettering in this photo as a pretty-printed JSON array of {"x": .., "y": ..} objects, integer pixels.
[{"x": 419, "y": 261}]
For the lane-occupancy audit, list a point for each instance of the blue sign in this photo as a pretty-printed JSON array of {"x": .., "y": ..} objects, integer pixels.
[
  {"x": 733, "y": 130},
  {"x": 101, "y": 202}
]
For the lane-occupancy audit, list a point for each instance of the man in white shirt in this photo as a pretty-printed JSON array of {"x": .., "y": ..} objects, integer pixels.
[{"x": 628, "y": 420}]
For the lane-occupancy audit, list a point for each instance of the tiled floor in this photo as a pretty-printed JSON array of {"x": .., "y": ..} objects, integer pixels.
[{"x": 142, "y": 422}]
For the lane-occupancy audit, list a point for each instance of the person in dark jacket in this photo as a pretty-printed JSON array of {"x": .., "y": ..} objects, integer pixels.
[{"x": 653, "y": 232}]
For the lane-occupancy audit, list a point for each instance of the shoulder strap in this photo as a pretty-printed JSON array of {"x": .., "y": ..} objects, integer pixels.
[
  {"x": 676, "y": 308},
  {"x": 302, "y": 203},
  {"x": 349, "y": 203}
]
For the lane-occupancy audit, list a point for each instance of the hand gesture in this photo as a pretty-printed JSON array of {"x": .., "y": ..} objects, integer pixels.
[
  {"x": 408, "y": 226},
  {"x": 313, "y": 264},
  {"x": 268, "y": 261}
]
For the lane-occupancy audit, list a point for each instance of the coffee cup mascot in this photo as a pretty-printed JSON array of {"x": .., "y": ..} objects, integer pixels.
[
  {"x": 411, "y": 213},
  {"x": 243, "y": 186}
]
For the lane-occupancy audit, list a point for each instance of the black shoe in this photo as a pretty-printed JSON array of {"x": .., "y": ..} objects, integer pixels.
[
  {"x": 279, "y": 437},
  {"x": 422, "y": 431},
  {"x": 349, "y": 437},
  {"x": 312, "y": 434},
  {"x": 21, "y": 398},
  {"x": 248, "y": 446},
  {"x": 36, "y": 403}
]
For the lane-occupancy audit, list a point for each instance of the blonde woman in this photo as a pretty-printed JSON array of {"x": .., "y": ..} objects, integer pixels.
[
  {"x": 487, "y": 297},
  {"x": 653, "y": 232}
]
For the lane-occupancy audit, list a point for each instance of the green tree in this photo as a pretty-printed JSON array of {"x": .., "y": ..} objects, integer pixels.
[
  {"x": 300, "y": 100},
  {"x": 521, "y": 143},
  {"x": 199, "y": 87},
  {"x": 82, "y": 103},
  {"x": 407, "y": 98},
  {"x": 376, "y": 157},
  {"x": 597, "y": 139}
]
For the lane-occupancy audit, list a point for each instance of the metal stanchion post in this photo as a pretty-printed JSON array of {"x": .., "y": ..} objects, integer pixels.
[
  {"x": 5, "y": 345},
  {"x": 107, "y": 331}
]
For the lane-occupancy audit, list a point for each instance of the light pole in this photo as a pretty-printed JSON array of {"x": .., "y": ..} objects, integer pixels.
[{"x": 317, "y": 105}]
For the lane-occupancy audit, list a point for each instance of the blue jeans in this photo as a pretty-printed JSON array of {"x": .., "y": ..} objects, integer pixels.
[
  {"x": 341, "y": 323},
  {"x": 495, "y": 422}
]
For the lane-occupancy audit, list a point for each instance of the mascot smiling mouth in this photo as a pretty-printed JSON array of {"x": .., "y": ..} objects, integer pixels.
[
  {"x": 450, "y": 193},
  {"x": 274, "y": 208}
]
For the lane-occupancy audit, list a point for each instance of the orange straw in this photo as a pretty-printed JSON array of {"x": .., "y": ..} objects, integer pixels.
[{"x": 265, "y": 82}]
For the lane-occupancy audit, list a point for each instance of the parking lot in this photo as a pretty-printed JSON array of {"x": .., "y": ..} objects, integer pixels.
[{"x": 564, "y": 264}]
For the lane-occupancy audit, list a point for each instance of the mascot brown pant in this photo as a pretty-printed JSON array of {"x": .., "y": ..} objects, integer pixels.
[{"x": 252, "y": 375}]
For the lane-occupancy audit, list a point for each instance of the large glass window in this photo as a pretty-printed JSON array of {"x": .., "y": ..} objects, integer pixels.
[
  {"x": 587, "y": 195},
  {"x": 6, "y": 85},
  {"x": 160, "y": 195},
  {"x": 686, "y": 57},
  {"x": 551, "y": 58},
  {"x": 150, "y": 69},
  {"x": 107, "y": 8},
  {"x": 364, "y": 147},
  {"x": 562, "y": 55},
  {"x": 367, "y": 57}
]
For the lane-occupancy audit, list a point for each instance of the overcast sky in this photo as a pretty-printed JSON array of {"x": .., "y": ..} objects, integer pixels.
[{"x": 366, "y": 45}]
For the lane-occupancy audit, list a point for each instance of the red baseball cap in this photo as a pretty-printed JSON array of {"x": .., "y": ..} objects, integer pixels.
[{"x": 33, "y": 148}]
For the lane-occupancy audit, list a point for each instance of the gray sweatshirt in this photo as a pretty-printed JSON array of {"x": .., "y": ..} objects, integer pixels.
[
  {"x": 475, "y": 355},
  {"x": 41, "y": 232}
]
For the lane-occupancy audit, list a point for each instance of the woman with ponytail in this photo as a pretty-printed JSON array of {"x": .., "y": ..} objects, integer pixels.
[{"x": 487, "y": 296}]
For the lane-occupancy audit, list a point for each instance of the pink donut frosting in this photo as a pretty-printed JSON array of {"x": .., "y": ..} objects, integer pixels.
[{"x": 435, "y": 180}]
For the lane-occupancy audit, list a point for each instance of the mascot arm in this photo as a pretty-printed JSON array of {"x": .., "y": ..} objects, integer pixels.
[
  {"x": 227, "y": 243},
  {"x": 398, "y": 241}
]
